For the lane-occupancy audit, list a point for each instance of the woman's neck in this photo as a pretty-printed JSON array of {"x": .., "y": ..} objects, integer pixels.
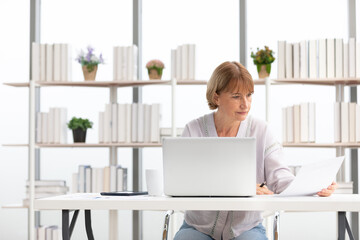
[{"x": 225, "y": 127}]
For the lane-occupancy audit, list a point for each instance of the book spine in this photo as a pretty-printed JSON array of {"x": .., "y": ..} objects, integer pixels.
[
  {"x": 313, "y": 72},
  {"x": 296, "y": 52},
  {"x": 122, "y": 123},
  {"x": 352, "y": 58},
  {"x": 337, "y": 122},
  {"x": 344, "y": 122},
  {"x": 289, "y": 60},
  {"x": 114, "y": 121},
  {"x": 339, "y": 58},
  {"x": 330, "y": 58},
  {"x": 296, "y": 123},
  {"x": 346, "y": 60},
  {"x": 140, "y": 123},
  {"x": 281, "y": 59},
  {"x": 290, "y": 124},
  {"x": 134, "y": 122},
  {"x": 323, "y": 52},
  {"x": 304, "y": 60},
  {"x": 173, "y": 63},
  {"x": 115, "y": 64},
  {"x": 35, "y": 62},
  {"x": 192, "y": 61},
  {"x": 304, "y": 122}
]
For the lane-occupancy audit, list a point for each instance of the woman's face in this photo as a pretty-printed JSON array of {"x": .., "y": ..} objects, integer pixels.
[{"x": 234, "y": 105}]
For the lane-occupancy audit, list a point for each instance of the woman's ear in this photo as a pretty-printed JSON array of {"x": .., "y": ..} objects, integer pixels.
[{"x": 216, "y": 99}]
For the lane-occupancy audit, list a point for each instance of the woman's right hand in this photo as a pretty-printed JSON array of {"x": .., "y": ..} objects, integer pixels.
[{"x": 263, "y": 190}]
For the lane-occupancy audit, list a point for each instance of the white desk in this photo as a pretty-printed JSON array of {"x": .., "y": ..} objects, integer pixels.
[{"x": 340, "y": 203}]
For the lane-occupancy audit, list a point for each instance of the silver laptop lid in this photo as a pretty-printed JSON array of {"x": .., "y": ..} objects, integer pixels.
[{"x": 211, "y": 166}]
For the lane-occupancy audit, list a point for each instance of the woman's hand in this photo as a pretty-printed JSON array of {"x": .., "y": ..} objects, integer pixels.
[
  {"x": 326, "y": 192},
  {"x": 263, "y": 190}
]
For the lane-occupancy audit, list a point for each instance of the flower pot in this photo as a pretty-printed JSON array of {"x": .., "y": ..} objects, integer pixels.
[
  {"x": 264, "y": 70},
  {"x": 89, "y": 76},
  {"x": 154, "y": 75},
  {"x": 79, "y": 135}
]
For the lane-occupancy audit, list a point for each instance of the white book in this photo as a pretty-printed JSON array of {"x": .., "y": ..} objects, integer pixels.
[
  {"x": 49, "y": 62},
  {"x": 290, "y": 124},
  {"x": 330, "y": 57},
  {"x": 49, "y": 189},
  {"x": 82, "y": 178},
  {"x": 123, "y": 52},
  {"x": 344, "y": 109},
  {"x": 35, "y": 61},
  {"x": 313, "y": 72},
  {"x": 121, "y": 123},
  {"x": 48, "y": 232},
  {"x": 179, "y": 63},
  {"x": 357, "y": 123},
  {"x": 352, "y": 122},
  {"x": 115, "y": 64},
  {"x": 74, "y": 183},
  {"x": 114, "y": 122},
  {"x": 147, "y": 123},
  {"x": 289, "y": 60},
  {"x": 88, "y": 180},
  {"x": 57, "y": 125},
  {"x": 346, "y": 60},
  {"x": 323, "y": 66},
  {"x": 94, "y": 181},
  {"x": 296, "y": 123},
  {"x": 173, "y": 63},
  {"x": 281, "y": 59},
  {"x": 63, "y": 126},
  {"x": 155, "y": 123},
  {"x": 121, "y": 64},
  {"x": 51, "y": 125},
  {"x": 357, "y": 60},
  {"x": 352, "y": 58},
  {"x": 312, "y": 122},
  {"x": 185, "y": 62},
  {"x": 339, "y": 58},
  {"x": 132, "y": 62},
  {"x": 140, "y": 123},
  {"x": 57, "y": 62},
  {"x": 106, "y": 179},
  {"x": 44, "y": 129},
  {"x": 99, "y": 179},
  {"x": 38, "y": 127},
  {"x": 167, "y": 132},
  {"x": 101, "y": 127},
  {"x": 304, "y": 59},
  {"x": 284, "y": 124},
  {"x": 121, "y": 179},
  {"x": 41, "y": 232},
  {"x": 107, "y": 123},
  {"x": 337, "y": 122},
  {"x": 296, "y": 51},
  {"x": 42, "y": 62},
  {"x": 304, "y": 122},
  {"x": 134, "y": 122},
  {"x": 113, "y": 180},
  {"x": 55, "y": 234},
  {"x": 192, "y": 61},
  {"x": 40, "y": 183},
  {"x": 128, "y": 123},
  {"x": 66, "y": 70}
]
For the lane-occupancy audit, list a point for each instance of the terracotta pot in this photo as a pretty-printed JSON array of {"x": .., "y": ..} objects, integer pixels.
[
  {"x": 153, "y": 74},
  {"x": 89, "y": 76},
  {"x": 263, "y": 73}
]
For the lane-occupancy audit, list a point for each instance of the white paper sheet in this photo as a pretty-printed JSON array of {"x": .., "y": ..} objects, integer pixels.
[{"x": 313, "y": 177}]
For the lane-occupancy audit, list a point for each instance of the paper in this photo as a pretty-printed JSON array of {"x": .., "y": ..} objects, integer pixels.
[{"x": 314, "y": 177}]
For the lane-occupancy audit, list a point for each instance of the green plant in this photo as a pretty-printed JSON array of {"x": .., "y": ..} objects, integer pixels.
[
  {"x": 76, "y": 123},
  {"x": 263, "y": 57}
]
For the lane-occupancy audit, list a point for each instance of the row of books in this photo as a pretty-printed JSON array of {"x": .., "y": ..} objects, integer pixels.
[
  {"x": 46, "y": 188},
  {"x": 299, "y": 123},
  {"x": 183, "y": 62},
  {"x": 347, "y": 122},
  {"x": 125, "y": 64},
  {"x": 48, "y": 232},
  {"x": 322, "y": 58},
  {"x": 51, "y": 62},
  {"x": 129, "y": 123},
  {"x": 51, "y": 126},
  {"x": 109, "y": 178}
]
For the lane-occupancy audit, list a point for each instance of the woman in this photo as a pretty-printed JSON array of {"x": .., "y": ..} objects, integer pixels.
[{"x": 230, "y": 90}]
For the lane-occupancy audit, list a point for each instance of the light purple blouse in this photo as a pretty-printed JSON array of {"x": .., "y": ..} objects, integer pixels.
[{"x": 270, "y": 168}]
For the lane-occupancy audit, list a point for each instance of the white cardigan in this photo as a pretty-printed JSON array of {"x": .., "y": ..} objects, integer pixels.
[{"x": 270, "y": 168}]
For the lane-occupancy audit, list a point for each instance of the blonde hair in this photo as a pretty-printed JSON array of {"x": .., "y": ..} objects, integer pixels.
[{"x": 226, "y": 77}]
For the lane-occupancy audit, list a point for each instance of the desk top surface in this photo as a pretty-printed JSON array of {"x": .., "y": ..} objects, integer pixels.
[{"x": 337, "y": 202}]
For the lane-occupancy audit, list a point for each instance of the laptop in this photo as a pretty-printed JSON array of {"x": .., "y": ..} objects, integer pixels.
[{"x": 211, "y": 166}]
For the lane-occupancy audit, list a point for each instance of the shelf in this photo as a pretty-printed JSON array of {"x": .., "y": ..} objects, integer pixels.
[
  {"x": 320, "y": 81},
  {"x": 14, "y": 206},
  {"x": 83, "y": 145},
  {"x": 322, "y": 145}
]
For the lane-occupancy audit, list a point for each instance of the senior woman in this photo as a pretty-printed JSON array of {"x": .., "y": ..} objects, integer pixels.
[{"x": 229, "y": 92}]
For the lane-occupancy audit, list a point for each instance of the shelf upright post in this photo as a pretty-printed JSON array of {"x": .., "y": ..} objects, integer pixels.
[
  {"x": 173, "y": 109},
  {"x": 113, "y": 214},
  {"x": 340, "y": 151}
]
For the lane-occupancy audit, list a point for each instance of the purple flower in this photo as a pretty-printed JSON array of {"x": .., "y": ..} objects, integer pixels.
[{"x": 101, "y": 58}]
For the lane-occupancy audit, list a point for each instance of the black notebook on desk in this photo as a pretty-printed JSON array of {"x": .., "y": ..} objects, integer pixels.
[{"x": 123, "y": 193}]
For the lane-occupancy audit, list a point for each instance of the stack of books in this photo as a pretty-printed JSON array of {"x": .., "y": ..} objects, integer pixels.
[
  {"x": 130, "y": 123},
  {"x": 321, "y": 58},
  {"x": 51, "y": 62},
  {"x": 299, "y": 123},
  {"x": 47, "y": 232},
  {"x": 51, "y": 126},
  {"x": 125, "y": 63},
  {"x": 183, "y": 62},
  {"x": 110, "y": 178},
  {"x": 46, "y": 188},
  {"x": 347, "y": 122}
]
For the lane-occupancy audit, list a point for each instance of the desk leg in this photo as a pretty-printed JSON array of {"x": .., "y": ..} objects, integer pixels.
[
  {"x": 66, "y": 230},
  {"x": 343, "y": 225},
  {"x": 89, "y": 232}
]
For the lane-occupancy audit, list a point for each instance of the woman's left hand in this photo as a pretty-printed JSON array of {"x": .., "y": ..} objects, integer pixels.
[{"x": 326, "y": 192}]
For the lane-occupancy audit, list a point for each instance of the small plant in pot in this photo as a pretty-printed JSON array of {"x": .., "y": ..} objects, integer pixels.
[{"x": 79, "y": 127}]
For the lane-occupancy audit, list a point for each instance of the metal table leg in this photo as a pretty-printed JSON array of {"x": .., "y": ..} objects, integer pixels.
[
  {"x": 89, "y": 232},
  {"x": 343, "y": 225},
  {"x": 66, "y": 229}
]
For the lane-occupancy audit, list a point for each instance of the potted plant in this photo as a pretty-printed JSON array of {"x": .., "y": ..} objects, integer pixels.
[
  {"x": 155, "y": 68},
  {"x": 79, "y": 127},
  {"x": 89, "y": 63},
  {"x": 263, "y": 59}
]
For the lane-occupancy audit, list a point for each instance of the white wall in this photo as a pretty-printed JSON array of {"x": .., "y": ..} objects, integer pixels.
[{"x": 212, "y": 26}]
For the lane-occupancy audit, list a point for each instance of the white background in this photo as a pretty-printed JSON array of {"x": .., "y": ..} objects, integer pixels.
[{"x": 214, "y": 27}]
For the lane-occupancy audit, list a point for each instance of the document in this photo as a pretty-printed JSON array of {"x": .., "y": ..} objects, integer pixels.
[{"x": 313, "y": 177}]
